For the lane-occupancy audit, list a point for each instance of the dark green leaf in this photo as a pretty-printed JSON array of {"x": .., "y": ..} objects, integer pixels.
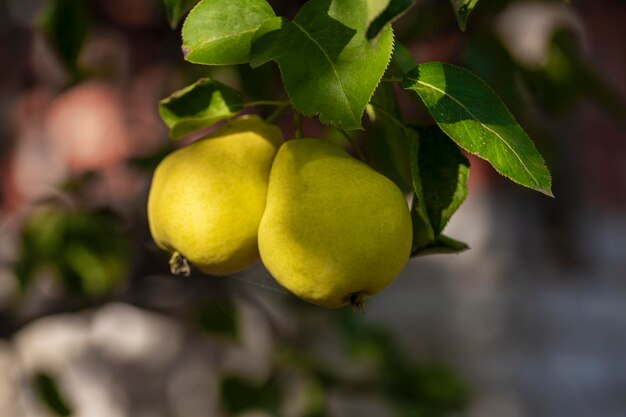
[
  {"x": 219, "y": 317},
  {"x": 423, "y": 232},
  {"x": 65, "y": 24},
  {"x": 470, "y": 113},
  {"x": 387, "y": 142},
  {"x": 441, "y": 245},
  {"x": 241, "y": 395},
  {"x": 46, "y": 390},
  {"x": 394, "y": 10},
  {"x": 444, "y": 171},
  {"x": 198, "y": 106},
  {"x": 219, "y": 32},
  {"x": 403, "y": 61},
  {"x": 327, "y": 64},
  {"x": 176, "y": 9},
  {"x": 462, "y": 10}
]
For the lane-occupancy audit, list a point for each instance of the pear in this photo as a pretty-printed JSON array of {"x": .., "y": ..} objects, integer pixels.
[
  {"x": 206, "y": 200},
  {"x": 334, "y": 230}
]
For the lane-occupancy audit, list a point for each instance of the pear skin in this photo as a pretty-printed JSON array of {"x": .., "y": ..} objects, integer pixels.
[
  {"x": 206, "y": 199},
  {"x": 334, "y": 231}
]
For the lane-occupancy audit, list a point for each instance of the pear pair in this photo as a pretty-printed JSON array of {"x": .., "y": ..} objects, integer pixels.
[{"x": 328, "y": 227}]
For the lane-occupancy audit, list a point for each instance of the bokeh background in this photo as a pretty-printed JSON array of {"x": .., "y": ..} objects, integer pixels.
[{"x": 530, "y": 322}]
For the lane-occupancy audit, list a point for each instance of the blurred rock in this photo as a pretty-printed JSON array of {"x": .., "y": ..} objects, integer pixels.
[
  {"x": 125, "y": 333},
  {"x": 9, "y": 381}
]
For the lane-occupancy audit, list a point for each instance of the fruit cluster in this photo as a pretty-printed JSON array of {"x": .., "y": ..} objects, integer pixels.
[{"x": 327, "y": 226}]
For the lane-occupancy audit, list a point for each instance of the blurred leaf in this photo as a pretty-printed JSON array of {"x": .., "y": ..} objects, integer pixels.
[
  {"x": 488, "y": 58},
  {"x": 470, "y": 113},
  {"x": 239, "y": 395},
  {"x": 219, "y": 316},
  {"x": 87, "y": 251},
  {"x": 198, "y": 106},
  {"x": 462, "y": 10},
  {"x": 46, "y": 390},
  {"x": 442, "y": 245},
  {"x": 393, "y": 11},
  {"x": 65, "y": 23},
  {"x": 176, "y": 9},
  {"x": 328, "y": 66},
  {"x": 444, "y": 171},
  {"x": 219, "y": 32}
]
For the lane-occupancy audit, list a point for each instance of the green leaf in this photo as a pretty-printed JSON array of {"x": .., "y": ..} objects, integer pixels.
[
  {"x": 423, "y": 232},
  {"x": 327, "y": 64},
  {"x": 444, "y": 171},
  {"x": 199, "y": 105},
  {"x": 470, "y": 113},
  {"x": 176, "y": 9},
  {"x": 46, "y": 390},
  {"x": 388, "y": 142},
  {"x": 403, "y": 62},
  {"x": 65, "y": 23},
  {"x": 442, "y": 245},
  {"x": 462, "y": 10},
  {"x": 219, "y": 32},
  {"x": 393, "y": 11}
]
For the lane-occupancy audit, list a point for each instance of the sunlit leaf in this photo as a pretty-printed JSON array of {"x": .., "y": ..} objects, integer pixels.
[
  {"x": 393, "y": 11},
  {"x": 219, "y": 32},
  {"x": 470, "y": 113},
  {"x": 199, "y": 105},
  {"x": 328, "y": 66}
]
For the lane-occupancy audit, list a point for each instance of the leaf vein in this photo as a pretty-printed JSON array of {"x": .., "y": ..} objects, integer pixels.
[
  {"x": 484, "y": 126},
  {"x": 343, "y": 89}
]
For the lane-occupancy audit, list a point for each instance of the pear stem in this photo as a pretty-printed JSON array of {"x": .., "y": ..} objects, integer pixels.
[
  {"x": 276, "y": 113},
  {"x": 357, "y": 302},
  {"x": 354, "y": 143},
  {"x": 266, "y": 103},
  {"x": 297, "y": 122},
  {"x": 179, "y": 265}
]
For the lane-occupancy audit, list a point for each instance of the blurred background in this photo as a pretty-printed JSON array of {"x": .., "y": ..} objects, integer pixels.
[{"x": 530, "y": 322}]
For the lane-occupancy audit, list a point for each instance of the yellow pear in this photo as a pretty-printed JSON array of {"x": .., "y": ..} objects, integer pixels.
[
  {"x": 334, "y": 230},
  {"x": 207, "y": 199}
]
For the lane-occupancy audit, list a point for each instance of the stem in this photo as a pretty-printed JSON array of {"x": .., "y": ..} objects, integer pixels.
[
  {"x": 354, "y": 144},
  {"x": 389, "y": 115},
  {"x": 391, "y": 80},
  {"x": 297, "y": 122},
  {"x": 275, "y": 103},
  {"x": 357, "y": 302},
  {"x": 276, "y": 113}
]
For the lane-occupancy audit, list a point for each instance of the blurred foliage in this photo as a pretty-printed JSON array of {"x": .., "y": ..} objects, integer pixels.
[
  {"x": 218, "y": 316},
  {"x": 239, "y": 395},
  {"x": 86, "y": 251},
  {"x": 408, "y": 387},
  {"x": 47, "y": 391},
  {"x": 65, "y": 24}
]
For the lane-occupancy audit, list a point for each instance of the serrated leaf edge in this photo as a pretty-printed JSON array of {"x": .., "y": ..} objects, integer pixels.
[{"x": 538, "y": 186}]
